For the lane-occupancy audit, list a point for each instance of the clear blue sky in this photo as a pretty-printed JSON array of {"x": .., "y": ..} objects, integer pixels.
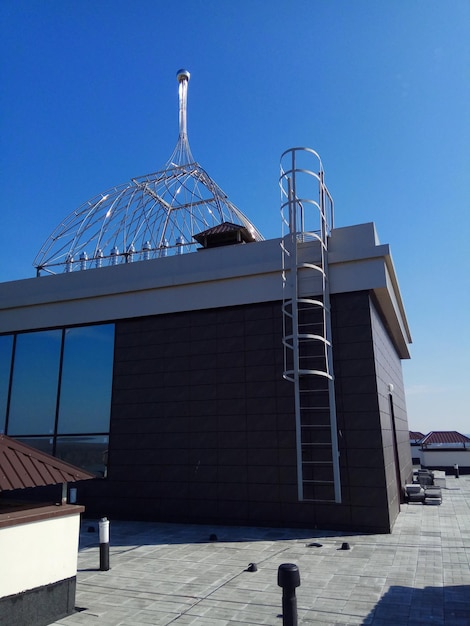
[{"x": 381, "y": 89}]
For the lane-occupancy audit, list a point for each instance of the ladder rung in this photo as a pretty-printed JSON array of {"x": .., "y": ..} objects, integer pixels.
[
  {"x": 317, "y": 463},
  {"x": 307, "y": 408},
  {"x": 319, "y": 482}
]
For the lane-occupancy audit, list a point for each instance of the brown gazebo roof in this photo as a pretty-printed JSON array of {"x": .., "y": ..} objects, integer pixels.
[{"x": 22, "y": 466}]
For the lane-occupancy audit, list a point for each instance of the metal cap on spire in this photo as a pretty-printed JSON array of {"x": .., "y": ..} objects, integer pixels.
[{"x": 183, "y": 75}]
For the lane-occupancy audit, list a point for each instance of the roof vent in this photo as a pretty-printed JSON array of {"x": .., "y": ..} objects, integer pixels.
[{"x": 225, "y": 234}]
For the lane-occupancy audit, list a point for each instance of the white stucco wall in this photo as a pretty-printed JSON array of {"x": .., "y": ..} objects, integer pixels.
[
  {"x": 442, "y": 458},
  {"x": 38, "y": 553}
]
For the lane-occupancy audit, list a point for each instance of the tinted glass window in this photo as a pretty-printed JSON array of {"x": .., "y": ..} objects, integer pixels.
[
  {"x": 35, "y": 383},
  {"x": 90, "y": 453},
  {"x": 6, "y": 345},
  {"x": 40, "y": 443},
  {"x": 87, "y": 370}
]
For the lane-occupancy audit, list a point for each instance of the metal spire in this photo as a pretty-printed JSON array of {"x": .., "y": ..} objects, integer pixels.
[
  {"x": 183, "y": 77},
  {"x": 182, "y": 152},
  {"x": 152, "y": 216}
]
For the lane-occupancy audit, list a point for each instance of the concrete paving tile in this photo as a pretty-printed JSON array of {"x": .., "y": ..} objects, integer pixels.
[
  {"x": 319, "y": 618},
  {"x": 144, "y": 603},
  {"x": 373, "y": 581},
  {"x": 339, "y": 594},
  {"x": 164, "y": 572},
  {"x": 230, "y": 592},
  {"x": 142, "y": 619},
  {"x": 109, "y": 599},
  {"x": 250, "y": 614},
  {"x": 110, "y": 617},
  {"x": 344, "y": 579},
  {"x": 359, "y": 607},
  {"x": 191, "y": 620},
  {"x": 370, "y": 598},
  {"x": 332, "y": 605},
  {"x": 77, "y": 618}
]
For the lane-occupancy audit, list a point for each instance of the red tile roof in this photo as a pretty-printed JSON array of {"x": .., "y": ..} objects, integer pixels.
[
  {"x": 445, "y": 436},
  {"x": 415, "y": 435},
  {"x": 22, "y": 466}
]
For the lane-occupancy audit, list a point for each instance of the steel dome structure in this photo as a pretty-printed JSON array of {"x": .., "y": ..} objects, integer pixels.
[{"x": 149, "y": 217}]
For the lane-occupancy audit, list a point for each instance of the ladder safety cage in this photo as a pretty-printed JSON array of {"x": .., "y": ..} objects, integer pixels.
[{"x": 307, "y": 218}]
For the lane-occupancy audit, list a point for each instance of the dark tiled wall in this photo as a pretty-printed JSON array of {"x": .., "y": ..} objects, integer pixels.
[
  {"x": 203, "y": 426},
  {"x": 202, "y": 419},
  {"x": 366, "y": 362},
  {"x": 394, "y": 421},
  {"x": 360, "y": 436}
]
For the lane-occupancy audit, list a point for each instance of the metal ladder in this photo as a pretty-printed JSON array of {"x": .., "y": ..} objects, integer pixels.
[{"x": 307, "y": 216}]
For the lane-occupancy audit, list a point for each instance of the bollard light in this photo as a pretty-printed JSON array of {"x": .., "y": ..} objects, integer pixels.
[{"x": 104, "y": 544}]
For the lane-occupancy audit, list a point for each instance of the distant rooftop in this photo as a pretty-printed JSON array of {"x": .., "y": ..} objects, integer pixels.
[
  {"x": 416, "y": 435},
  {"x": 444, "y": 437}
]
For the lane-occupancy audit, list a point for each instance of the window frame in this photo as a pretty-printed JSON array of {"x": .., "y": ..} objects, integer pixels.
[{"x": 56, "y": 434}]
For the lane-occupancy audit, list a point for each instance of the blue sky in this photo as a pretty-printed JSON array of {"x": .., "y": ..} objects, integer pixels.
[{"x": 381, "y": 89}]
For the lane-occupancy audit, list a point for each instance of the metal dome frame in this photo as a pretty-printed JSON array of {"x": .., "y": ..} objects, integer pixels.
[{"x": 151, "y": 216}]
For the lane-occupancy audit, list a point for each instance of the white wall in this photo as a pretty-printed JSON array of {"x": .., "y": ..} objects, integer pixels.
[
  {"x": 442, "y": 458},
  {"x": 38, "y": 553}
]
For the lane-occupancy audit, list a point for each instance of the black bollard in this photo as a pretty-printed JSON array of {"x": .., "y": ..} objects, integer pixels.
[
  {"x": 104, "y": 544},
  {"x": 288, "y": 577}
]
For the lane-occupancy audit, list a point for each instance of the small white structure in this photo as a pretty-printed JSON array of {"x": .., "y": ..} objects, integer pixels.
[
  {"x": 38, "y": 542},
  {"x": 444, "y": 450}
]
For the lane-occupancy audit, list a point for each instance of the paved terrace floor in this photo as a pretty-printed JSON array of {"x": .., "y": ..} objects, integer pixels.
[{"x": 173, "y": 574}]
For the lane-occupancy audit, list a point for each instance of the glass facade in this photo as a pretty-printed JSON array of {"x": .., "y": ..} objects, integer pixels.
[
  {"x": 55, "y": 392},
  {"x": 87, "y": 451},
  {"x": 45, "y": 444},
  {"x": 6, "y": 347},
  {"x": 33, "y": 397},
  {"x": 87, "y": 369}
]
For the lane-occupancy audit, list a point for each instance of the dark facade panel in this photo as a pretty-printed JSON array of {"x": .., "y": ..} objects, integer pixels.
[
  {"x": 203, "y": 424},
  {"x": 394, "y": 422}
]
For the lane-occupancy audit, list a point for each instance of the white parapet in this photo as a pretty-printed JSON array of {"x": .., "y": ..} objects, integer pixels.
[{"x": 40, "y": 552}]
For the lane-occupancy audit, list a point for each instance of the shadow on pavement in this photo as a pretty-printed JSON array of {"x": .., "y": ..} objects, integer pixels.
[{"x": 431, "y": 605}]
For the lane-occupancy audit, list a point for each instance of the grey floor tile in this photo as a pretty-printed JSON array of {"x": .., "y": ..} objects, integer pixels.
[{"x": 172, "y": 574}]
